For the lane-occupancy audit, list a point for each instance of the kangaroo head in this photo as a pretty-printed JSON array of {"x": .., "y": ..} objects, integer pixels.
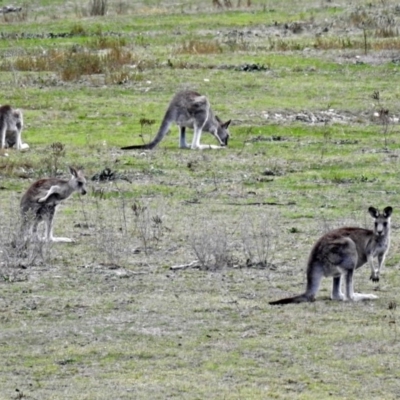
[
  {"x": 222, "y": 132},
  {"x": 78, "y": 181},
  {"x": 382, "y": 220}
]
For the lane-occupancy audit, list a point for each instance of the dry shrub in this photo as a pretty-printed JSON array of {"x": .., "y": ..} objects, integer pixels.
[
  {"x": 200, "y": 47},
  {"x": 45, "y": 61},
  {"x": 248, "y": 3},
  {"x": 116, "y": 58},
  {"x": 258, "y": 241},
  {"x": 106, "y": 56},
  {"x": 71, "y": 65},
  {"x": 51, "y": 163},
  {"x": 16, "y": 167},
  {"x": 388, "y": 44},
  {"x": 107, "y": 42},
  {"x": 100, "y": 55},
  {"x": 121, "y": 77},
  {"x": 149, "y": 223},
  {"x": 18, "y": 16},
  {"x": 387, "y": 32},
  {"x": 285, "y": 45},
  {"x": 370, "y": 18},
  {"x": 80, "y": 64},
  {"x": 98, "y": 7},
  {"x": 16, "y": 251},
  {"x": 359, "y": 17},
  {"x": 347, "y": 43},
  {"x": 209, "y": 243},
  {"x": 336, "y": 43},
  {"x": 78, "y": 30},
  {"x": 108, "y": 221},
  {"x": 121, "y": 7},
  {"x": 27, "y": 63},
  {"x": 228, "y": 3}
]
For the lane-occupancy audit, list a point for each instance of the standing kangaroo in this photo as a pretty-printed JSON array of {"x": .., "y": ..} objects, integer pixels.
[
  {"x": 40, "y": 201},
  {"x": 341, "y": 251},
  {"x": 190, "y": 109}
]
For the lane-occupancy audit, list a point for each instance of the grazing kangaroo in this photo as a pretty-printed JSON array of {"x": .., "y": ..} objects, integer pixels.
[
  {"x": 40, "y": 201},
  {"x": 341, "y": 251},
  {"x": 190, "y": 110},
  {"x": 11, "y": 124}
]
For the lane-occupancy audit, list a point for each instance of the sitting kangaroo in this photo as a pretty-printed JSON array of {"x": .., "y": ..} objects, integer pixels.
[{"x": 341, "y": 251}]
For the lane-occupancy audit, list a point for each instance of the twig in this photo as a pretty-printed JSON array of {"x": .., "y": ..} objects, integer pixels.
[
  {"x": 263, "y": 203},
  {"x": 193, "y": 264}
]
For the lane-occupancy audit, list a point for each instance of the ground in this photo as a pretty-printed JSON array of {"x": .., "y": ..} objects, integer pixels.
[{"x": 165, "y": 292}]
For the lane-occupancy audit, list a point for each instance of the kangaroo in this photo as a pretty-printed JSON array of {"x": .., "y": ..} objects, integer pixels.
[
  {"x": 190, "y": 109},
  {"x": 40, "y": 201},
  {"x": 341, "y": 251},
  {"x": 11, "y": 124}
]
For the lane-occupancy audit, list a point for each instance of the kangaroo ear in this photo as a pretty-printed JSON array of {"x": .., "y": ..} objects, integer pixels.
[
  {"x": 226, "y": 124},
  {"x": 374, "y": 212},
  {"x": 73, "y": 172},
  {"x": 388, "y": 211}
]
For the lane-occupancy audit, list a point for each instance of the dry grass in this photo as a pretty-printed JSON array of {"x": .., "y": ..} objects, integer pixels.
[
  {"x": 195, "y": 46},
  {"x": 387, "y": 40},
  {"x": 107, "y": 317},
  {"x": 109, "y": 56},
  {"x": 107, "y": 42}
]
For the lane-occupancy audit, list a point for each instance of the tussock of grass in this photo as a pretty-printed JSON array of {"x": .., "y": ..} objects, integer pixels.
[
  {"x": 107, "y": 42},
  {"x": 199, "y": 47},
  {"x": 72, "y": 63}
]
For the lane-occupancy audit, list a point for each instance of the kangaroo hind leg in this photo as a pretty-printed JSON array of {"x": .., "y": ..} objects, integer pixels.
[
  {"x": 182, "y": 138},
  {"x": 49, "y": 230},
  {"x": 350, "y": 289},
  {"x": 336, "y": 288}
]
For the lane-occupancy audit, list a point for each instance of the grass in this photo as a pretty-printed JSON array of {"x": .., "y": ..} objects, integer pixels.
[{"x": 107, "y": 317}]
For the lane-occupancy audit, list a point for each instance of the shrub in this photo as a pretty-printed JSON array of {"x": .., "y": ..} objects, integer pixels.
[{"x": 98, "y": 7}]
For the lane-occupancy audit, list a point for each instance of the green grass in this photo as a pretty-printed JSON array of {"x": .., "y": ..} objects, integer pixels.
[{"x": 106, "y": 317}]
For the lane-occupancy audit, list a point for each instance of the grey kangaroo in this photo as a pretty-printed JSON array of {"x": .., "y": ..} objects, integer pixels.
[
  {"x": 190, "y": 109},
  {"x": 340, "y": 252},
  {"x": 40, "y": 201},
  {"x": 11, "y": 124}
]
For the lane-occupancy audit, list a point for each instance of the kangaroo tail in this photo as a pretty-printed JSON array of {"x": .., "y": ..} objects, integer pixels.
[
  {"x": 139, "y": 146},
  {"x": 166, "y": 123},
  {"x": 301, "y": 298}
]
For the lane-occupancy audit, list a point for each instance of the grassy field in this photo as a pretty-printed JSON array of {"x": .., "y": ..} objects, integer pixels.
[{"x": 165, "y": 293}]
